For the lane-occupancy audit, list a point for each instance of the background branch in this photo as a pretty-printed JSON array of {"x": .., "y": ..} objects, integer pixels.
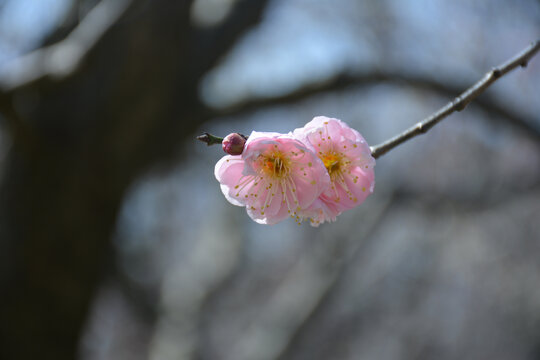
[
  {"x": 62, "y": 58},
  {"x": 210, "y": 44}
]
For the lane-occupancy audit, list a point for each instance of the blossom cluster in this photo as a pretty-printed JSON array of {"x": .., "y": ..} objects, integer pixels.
[{"x": 313, "y": 173}]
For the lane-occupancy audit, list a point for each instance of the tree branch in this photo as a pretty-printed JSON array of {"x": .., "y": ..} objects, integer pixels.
[
  {"x": 99, "y": 127},
  {"x": 345, "y": 81},
  {"x": 488, "y": 104},
  {"x": 458, "y": 103}
]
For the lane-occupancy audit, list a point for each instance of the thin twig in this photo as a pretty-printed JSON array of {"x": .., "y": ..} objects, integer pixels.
[{"x": 458, "y": 103}]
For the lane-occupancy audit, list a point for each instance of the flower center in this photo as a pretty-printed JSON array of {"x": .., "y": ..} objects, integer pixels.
[
  {"x": 275, "y": 164},
  {"x": 331, "y": 162}
]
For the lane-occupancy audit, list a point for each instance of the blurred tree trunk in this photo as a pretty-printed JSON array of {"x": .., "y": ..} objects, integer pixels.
[{"x": 85, "y": 138}]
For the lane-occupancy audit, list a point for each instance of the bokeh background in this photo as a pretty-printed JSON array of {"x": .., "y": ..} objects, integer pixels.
[{"x": 116, "y": 242}]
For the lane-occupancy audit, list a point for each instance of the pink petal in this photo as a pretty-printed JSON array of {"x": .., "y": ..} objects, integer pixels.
[{"x": 228, "y": 172}]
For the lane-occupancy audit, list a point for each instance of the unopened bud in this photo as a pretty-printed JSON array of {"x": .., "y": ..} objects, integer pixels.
[{"x": 233, "y": 144}]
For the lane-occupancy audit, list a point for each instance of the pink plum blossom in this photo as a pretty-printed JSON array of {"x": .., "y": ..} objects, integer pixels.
[
  {"x": 275, "y": 177},
  {"x": 348, "y": 160}
]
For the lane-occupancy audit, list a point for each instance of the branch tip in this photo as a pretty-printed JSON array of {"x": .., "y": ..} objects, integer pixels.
[{"x": 209, "y": 139}]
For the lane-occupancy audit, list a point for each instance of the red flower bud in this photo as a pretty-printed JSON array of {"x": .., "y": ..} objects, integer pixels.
[{"x": 233, "y": 144}]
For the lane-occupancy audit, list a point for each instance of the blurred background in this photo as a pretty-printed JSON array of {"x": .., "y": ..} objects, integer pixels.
[{"x": 116, "y": 242}]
